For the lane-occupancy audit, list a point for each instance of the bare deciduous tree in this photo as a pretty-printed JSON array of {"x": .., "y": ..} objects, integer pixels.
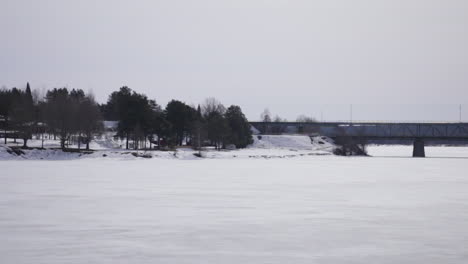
[
  {"x": 266, "y": 115},
  {"x": 212, "y": 105},
  {"x": 305, "y": 119}
]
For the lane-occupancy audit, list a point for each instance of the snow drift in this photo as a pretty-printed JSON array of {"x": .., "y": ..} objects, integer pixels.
[{"x": 298, "y": 142}]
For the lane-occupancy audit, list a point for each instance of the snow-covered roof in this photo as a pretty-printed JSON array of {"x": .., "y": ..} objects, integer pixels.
[
  {"x": 254, "y": 130},
  {"x": 110, "y": 124}
]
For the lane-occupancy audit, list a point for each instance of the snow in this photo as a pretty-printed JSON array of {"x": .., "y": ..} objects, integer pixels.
[
  {"x": 285, "y": 199},
  {"x": 298, "y": 142},
  {"x": 306, "y": 209},
  {"x": 312, "y": 209},
  {"x": 254, "y": 130},
  {"x": 104, "y": 142},
  {"x": 264, "y": 146},
  {"x": 110, "y": 125},
  {"x": 407, "y": 151},
  {"x": 281, "y": 146}
]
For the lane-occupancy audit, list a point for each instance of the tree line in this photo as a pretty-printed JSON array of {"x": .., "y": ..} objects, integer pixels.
[
  {"x": 142, "y": 123},
  {"x": 61, "y": 112},
  {"x": 266, "y": 117}
]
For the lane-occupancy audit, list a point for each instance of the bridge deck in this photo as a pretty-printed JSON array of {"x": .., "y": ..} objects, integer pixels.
[{"x": 370, "y": 130}]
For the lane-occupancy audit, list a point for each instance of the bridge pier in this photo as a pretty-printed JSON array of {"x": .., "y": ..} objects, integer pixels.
[{"x": 418, "y": 148}]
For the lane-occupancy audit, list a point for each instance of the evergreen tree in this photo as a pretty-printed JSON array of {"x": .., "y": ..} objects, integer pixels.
[
  {"x": 135, "y": 113},
  {"x": 5, "y": 109},
  {"x": 91, "y": 119},
  {"x": 23, "y": 114},
  {"x": 181, "y": 117},
  {"x": 60, "y": 113},
  {"x": 218, "y": 129},
  {"x": 160, "y": 128},
  {"x": 119, "y": 103},
  {"x": 240, "y": 132}
]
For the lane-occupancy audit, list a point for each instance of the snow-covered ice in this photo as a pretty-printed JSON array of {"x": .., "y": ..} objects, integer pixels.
[
  {"x": 306, "y": 209},
  {"x": 407, "y": 151}
]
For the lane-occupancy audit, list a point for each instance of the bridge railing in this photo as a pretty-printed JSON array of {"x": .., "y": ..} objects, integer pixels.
[{"x": 376, "y": 130}]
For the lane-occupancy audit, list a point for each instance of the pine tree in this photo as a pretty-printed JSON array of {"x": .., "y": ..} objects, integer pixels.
[
  {"x": 23, "y": 114},
  {"x": 240, "y": 132},
  {"x": 181, "y": 116}
]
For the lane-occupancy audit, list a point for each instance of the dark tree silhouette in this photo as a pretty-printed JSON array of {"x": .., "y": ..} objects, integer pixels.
[
  {"x": 181, "y": 116},
  {"x": 59, "y": 114},
  {"x": 74, "y": 116},
  {"x": 239, "y": 127},
  {"x": 23, "y": 114}
]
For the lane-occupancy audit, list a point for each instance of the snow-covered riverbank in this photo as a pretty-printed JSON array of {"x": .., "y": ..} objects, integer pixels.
[{"x": 262, "y": 147}]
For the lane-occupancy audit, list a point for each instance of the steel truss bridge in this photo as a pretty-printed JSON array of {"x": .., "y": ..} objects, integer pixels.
[{"x": 381, "y": 132}]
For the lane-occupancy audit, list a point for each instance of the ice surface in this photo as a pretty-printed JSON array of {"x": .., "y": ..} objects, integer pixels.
[
  {"x": 307, "y": 209},
  {"x": 407, "y": 151}
]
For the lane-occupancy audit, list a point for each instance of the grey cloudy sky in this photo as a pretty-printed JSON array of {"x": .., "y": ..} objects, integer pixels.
[{"x": 386, "y": 57}]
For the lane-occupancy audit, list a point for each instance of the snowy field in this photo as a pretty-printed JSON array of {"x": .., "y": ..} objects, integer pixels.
[{"x": 304, "y": 209}]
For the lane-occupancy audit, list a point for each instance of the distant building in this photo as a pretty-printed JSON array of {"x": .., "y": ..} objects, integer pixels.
[{"x": 110, "y": 126}]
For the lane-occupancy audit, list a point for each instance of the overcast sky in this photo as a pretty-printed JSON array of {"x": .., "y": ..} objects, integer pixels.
[{"x": 392, "y": 59}]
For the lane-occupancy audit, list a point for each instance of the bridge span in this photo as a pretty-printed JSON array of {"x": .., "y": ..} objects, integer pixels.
[{"x": 376, "y": 132}]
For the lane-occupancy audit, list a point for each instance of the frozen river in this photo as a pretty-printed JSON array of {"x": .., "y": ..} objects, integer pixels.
[{"x": 317, "y": 209}]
